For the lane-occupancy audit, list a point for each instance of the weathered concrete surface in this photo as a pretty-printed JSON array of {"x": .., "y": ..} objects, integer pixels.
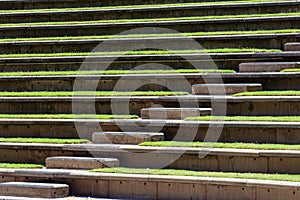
[
  {"x": 27, "y": 189},
  {"x": 126, "y": 137},
  {"x": 67, "y": 162},
  {"x": 225, "y": 89},
  {"x": 267, "y": 66},
  {"x": 174, "y": 113}
]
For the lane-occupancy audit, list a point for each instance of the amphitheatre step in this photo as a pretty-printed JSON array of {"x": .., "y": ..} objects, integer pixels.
[
  {"x": 221, "y": 60},
  {"x": 224, "y": 89},
  {"x": 144, "y": 186},
  {"x": 294, "y": 46},
  {"x": 235, "y": 106},
  {"x": 268, "y": 41},
  {"x": 267, "y": 66},
  {"x": 211, "y": 158},
  {"x": 40, "y": 4},
  {"x": 36, "y": 190},
  {"x": 125, "y": 137},
  {"x": 66, "y": 162},
  {"x": 173, "y": 113},
  {"x": 237, "y": 24},
  {"x": 269, "y": 81},
  {"x": 179, "y": 10},
  {"x": 233, "y": 131}
]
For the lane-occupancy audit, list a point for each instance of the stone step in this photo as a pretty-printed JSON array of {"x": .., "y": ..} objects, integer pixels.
[
  {"x": 293, "y": 46},
  {"x": 266, "y": 41},
  {"x": 66, "y": 162},
  {"x": 36, "y": 190},
  {"x": 148, "y": 12},
  {"x": 267, "y": 66},
  {"x": 173, "y": 113},
  {"x": 225, "y": 89},
  {"x": 126, "y": 137},
  {"x": 206, "y": 25}
]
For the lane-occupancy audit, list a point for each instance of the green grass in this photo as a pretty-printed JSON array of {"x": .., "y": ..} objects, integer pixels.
[
  {"x": 291, "y": 70},
  {"x": 154, "y": 35},
  {"x": 66, "y": 116},
  {"x": 156, "y": 19},
  {"x": 236, "y": 145},
  {"x": 149, "y": 52},
  {"x": 270, "y": 93},
  {"x": 20, "y": 166},
  {"x": 114, "y": 72},
  {"x": 45, "y": 140},
  {"x": 173, "y": 172},
  {"x": 90, "y": 93},
  {"x": 246, "y": 118},
  {"x": 139, "y": 6}
]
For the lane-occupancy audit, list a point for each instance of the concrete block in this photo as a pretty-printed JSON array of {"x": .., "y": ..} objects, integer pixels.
[
  {"x": 174, "y": 113},
  {"x": 224, "y": 89},
  {"x": 38, "y": 190},
  {"x": 125, "y": 137},
  {"x": 66, "y": 162},
  {"x": 267, "y": 66},
  {"x": 293, "y": 46}
]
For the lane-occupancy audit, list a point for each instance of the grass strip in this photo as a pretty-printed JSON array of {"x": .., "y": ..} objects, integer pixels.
[
  {"x": 291, "y": 70},
  {"x": 114, "y": 72},
  {"x": 149, "y": 52},
  {"x": 45, "y": 140},
  {"x": 173, "y": 172},
  {"x": 140, "y": 6},
  {"x": 236, "y": 145},
  {"x": 20, "y": 166},
  {"x": 90, "y": 93},
  {"x": 270, "y": 93},
  {"x": 246, "y": 118},
  {"x": 157, "y": 19},
  {"x": 66, "y": 116},
  {"x": 216, "y": 33}
]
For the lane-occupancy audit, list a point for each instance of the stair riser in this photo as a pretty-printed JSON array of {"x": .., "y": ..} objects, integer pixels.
[
  {"x": 109, "y": 84},
  {"x": 225, "y": 162},
  {"x": 273, "y": 42},
  {"x": 186, "y": 26},
  {"x": 234, "y": 133},
  {"x": 8, "y": 5},
  {"x": 247, "y": 108}
]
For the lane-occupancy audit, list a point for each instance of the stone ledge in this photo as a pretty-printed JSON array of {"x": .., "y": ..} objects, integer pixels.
[
  {"x": 225, "y": 89},
  {"x": 267, "y": 66},
  {"x": 125, "y": 137},
  {"x": 65, "y": 162},
  {"x": 174, "y": 113},
  {"x": 295, "y": 46},
  {"x": 27, "y": 189}
]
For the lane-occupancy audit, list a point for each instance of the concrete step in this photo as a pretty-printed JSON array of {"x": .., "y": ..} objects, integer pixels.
[
  {"x": 233, "y": 131},
  {"x": 221, "y": 60},
  {"x": 154, "y": 12},
  {"x": 267, "y": 66},
  {"x": 125, "y": 137},
  {"x": 267, "y": 41},
  {"x": 173, "y": 113},
  {"x": 40, "y": 4},
  {"x": 224, "y": 89},
  {"x": 239, "y": 24},
  {"x": 38, "y": 190},
  {"x": 86, "y": 163},
  {"x": 269, "y": 81},
  {"x": 245, "y": 105},
  {"x": 294, "y": 46}
]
